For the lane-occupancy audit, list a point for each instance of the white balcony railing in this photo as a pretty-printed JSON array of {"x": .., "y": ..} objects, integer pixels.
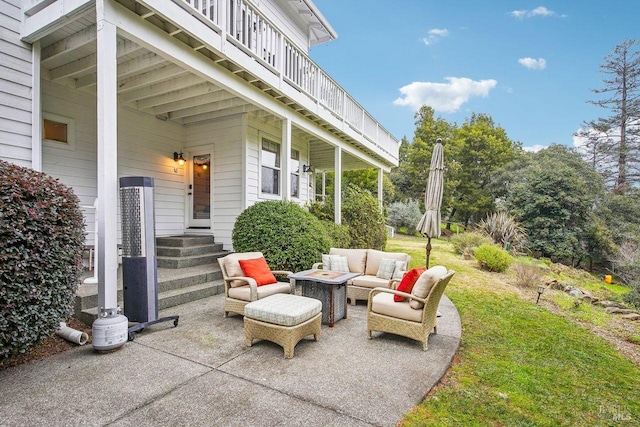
[{"x": 251, "y": 31}]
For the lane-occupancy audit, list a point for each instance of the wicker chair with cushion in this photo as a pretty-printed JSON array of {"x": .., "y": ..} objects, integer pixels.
[
  {"x": 247, "y": 277},
  {"x": 411, "y": 314}
]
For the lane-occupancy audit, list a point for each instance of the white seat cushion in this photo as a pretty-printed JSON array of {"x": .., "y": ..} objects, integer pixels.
[
  {"x": 244, "y": 292},
  {"x": 283, "y": 309},
  {"x": 369, "y": 282},
  {"x": 383, "y": 303}
]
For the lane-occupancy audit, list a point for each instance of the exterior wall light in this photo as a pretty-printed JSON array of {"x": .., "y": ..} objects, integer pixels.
[
  {"x": 307, "y": 168},
  {"x": 178, "y": 157}
]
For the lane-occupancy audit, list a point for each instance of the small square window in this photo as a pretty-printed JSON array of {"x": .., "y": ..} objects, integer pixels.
[
  {"x": 55, "y": 131},
  {"x": 58, "y": 131}
]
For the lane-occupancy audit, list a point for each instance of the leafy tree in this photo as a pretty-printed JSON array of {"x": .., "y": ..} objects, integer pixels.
[
  {"x": 479, "y": 148},
  {"x": 399, "y": 176},
  {"x": 619, "y": 213},
  {"x": 613, "y": 143},
  {"x": 410, "y": 177},
  {"x": 552, "y": 195}
]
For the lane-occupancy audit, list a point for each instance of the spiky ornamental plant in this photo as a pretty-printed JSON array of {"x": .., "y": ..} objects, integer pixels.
[
  {"x": 41, "y": 241},
  {"x": 503, "y": 229}
]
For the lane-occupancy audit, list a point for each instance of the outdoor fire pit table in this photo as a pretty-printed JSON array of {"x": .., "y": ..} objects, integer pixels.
[{"x": 330, "y": 287}]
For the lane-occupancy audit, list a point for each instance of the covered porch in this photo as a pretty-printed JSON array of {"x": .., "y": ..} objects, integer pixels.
[{"x": 138, "y": 84}]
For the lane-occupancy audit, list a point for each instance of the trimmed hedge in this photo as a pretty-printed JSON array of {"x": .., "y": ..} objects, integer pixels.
[
  {"x": 289, "y": 237},
  {"x": 41, "y": 241}
]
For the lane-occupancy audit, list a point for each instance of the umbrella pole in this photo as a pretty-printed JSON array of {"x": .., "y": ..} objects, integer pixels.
[{"x": 428, "y": 250}]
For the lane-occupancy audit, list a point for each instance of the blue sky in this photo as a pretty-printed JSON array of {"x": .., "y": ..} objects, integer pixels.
[{"x": 530, "y": 65}]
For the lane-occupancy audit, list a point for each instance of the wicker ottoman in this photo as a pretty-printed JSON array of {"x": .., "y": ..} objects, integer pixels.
[{"x": 283, "y": 319}]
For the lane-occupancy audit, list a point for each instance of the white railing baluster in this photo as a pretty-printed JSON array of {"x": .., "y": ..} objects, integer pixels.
[{"x": 257, "y": 36}]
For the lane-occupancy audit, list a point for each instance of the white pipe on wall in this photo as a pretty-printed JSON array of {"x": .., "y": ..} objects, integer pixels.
[{"x": 73, "y": 335}]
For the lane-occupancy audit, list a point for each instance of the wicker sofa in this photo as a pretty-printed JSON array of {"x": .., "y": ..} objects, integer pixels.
[{"x": 367, "y": 262}]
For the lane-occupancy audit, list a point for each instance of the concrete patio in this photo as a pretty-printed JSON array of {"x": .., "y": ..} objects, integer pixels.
[{"x": 202, "y": 374}]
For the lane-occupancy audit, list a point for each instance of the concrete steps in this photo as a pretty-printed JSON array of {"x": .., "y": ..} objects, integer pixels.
[
  {"x": 187, "y": 251},
  {"x": 189, "y": 271}
]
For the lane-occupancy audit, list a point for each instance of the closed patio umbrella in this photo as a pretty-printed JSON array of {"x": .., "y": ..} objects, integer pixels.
[{"x": 429, "y": 225}]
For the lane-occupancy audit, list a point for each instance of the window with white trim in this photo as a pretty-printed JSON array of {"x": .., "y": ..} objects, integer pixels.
[
  {"x": 270, "y": 166},
  {"x": 295, "y": 173}
]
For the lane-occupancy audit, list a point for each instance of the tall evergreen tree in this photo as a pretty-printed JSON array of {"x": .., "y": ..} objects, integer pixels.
[{"x": 613, "y": 142}]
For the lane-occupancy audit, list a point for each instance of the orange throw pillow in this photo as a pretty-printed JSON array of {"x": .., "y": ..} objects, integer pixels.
[
  {"x": 409, "y": 279},
  {"x": 257, "y": 269}
]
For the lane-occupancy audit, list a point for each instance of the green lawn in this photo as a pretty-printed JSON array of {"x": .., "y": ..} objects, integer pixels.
[{"x": 520, "y": 364}]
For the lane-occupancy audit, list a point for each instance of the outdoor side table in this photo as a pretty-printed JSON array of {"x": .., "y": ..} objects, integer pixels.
[{"x": 330, "y": 287}]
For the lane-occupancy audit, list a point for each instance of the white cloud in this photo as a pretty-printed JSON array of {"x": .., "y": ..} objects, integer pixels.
[
  {"x": 434, "y": 35},
  {"x": 445, "y": 97},
  {"x": 534, "y": 148},
  {"x": 533, "y": 64},
  {"x": 532, "y": 13}
]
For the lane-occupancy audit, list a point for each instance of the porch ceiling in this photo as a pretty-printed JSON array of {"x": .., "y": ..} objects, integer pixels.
[{"x": 149, "y": 83}]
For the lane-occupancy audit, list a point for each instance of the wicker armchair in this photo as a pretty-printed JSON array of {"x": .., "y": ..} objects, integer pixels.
[
  {"x": 399, "y": 318},
  {"x": 240, "y": 290}
]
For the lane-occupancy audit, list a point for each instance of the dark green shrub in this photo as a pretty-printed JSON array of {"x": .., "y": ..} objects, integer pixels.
[
  {"x": 338, "y": 234},
  {"x": 41, "y": 240},
  {"x": 361, "y": 213},
  {"x": 493, "y": 258},
  {"x": 289, "y": 237},
  {"x": 468, "y": 242}
]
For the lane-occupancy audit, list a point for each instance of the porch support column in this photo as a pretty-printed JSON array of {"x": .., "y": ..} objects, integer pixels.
[
  {"x": 36, "y": 109},
  {"x": 107, "y": 211},
  {"x": 324, "y": 186},
  {"x": 337, "y": 185},
  {"x": 285, "y": 166},
  {"x": 380, "y": 187}
]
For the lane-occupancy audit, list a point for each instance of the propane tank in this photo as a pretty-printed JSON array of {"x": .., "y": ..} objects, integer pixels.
[{"x": 110, "y": 331}]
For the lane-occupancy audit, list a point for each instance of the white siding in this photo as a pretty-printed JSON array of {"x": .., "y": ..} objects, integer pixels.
[
  {"x": 145, "y": 148},
  {"x": 15, "y": 87},
  {"x": 226, "y": 137},
  {"x": 255, "y": 130}
]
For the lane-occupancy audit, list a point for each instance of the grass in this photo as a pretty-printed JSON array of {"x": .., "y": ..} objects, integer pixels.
[{"x": 519, "y": 363}]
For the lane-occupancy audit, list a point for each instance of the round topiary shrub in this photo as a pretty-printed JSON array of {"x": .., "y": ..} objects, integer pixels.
[
  {"x": 41, "y": 241},
  {"x": 493, "y": 258},
  {"x": 289, "y": 237}
]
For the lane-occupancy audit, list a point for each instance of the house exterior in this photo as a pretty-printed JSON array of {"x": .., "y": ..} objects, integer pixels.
[{"x": 93, "y": 90}]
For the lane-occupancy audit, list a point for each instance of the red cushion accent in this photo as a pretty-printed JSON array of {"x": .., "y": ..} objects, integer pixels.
[
  {"x": 257, "y": 269},
  {"x": 409, "y": 279}
]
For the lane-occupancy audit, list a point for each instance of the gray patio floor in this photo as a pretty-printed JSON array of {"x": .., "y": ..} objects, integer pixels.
[{"x": 202, "y": 374}]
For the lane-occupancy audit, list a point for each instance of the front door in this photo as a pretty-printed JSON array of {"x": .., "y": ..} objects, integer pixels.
[{"x": 199, "y": 194}]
